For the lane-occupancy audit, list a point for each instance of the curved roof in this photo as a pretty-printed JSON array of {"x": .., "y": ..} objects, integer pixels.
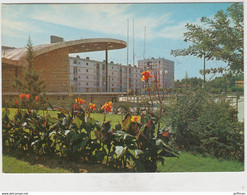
[{"x": 13, "y": 56}]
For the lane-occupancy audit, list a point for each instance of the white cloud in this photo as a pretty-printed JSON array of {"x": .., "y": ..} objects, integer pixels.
[
  {"x": 103, "y": 18},
  {"x": 13, "y": 28}
]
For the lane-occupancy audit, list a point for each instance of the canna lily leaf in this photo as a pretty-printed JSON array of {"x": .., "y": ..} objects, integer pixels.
[
  {"x": 84, "y": 143},
  {"x": 53, "y": 132},
  {"x": 64, "y": 111},
  {"x": 138, "y": 152},
  {"x": 33, "y": 143},
  {"x": 65, "y": 132},
  {"x": 126, "y": 122},
  {"x": 118, "y": 127},
  {"x": 78, "y": 122},
  {"x": 120, "y": 150}
]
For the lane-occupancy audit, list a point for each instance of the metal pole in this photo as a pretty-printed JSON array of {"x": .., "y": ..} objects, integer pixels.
[
  {"x": 134, "y": 55},
  {"x": 106, "y": 69},
  {"x": 144, "y": 43},
  {"x": 127, "y": 68}
]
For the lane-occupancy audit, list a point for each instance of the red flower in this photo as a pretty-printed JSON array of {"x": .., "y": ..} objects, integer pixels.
[
  {"x": 80, "y": 101},
  {"x": 92, "y": 106},
  {"x": 28, "y": 96},
  {"x": 23, "y": 96},
  {"x": 107, "y": 106},
  {"x": 166, "y": 134},
  {"x": 37, "y": 98},
  {"x": 146, "y": 75}
]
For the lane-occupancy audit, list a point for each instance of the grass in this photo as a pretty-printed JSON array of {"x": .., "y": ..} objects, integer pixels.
[
  {"x": 13, "y": 165},
  {"x": 197, "y": 163},
  {"x": 186, "y": 163},
  {"x": 97, "y": 116}
]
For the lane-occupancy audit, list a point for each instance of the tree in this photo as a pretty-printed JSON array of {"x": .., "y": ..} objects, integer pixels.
[
  {"x": 30, "y": 82},
  {"x": 220, "y": 38}
]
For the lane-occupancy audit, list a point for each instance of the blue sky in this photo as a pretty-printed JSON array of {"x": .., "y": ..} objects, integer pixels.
[{"x": 164, "y": 23}]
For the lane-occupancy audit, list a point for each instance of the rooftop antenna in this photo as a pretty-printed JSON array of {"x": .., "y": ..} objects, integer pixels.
[
  {"x": 134, "y": 53},
  {"x": 144, "y": 43}
]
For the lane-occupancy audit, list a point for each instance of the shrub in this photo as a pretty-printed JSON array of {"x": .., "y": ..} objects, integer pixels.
[{"x": 206, "y": 124}]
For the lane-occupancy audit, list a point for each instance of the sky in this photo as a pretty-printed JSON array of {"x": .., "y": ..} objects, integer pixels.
[{"x": 164, "y": 22}]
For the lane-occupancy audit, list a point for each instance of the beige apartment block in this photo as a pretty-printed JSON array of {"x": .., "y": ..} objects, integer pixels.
[
  {"x": 162, "y": 68},
  {"x": 88, "y": 75}
]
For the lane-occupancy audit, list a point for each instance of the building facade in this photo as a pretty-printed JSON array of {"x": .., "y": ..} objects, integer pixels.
[
  {"x": 162, "y": 68},
  {"x": 88, "y": 75}
]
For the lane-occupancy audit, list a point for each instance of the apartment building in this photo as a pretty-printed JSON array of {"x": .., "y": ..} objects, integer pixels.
[
  {"x": 162, "y": 68},
  {"x": 88, "y": 75}
]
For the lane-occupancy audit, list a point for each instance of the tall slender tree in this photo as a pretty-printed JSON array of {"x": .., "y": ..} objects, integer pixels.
[{"x": 31, "y": 82}]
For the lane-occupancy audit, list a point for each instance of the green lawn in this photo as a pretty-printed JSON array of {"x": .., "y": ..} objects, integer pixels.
[
  {"x": 186, "y": 163},
  {"x": 13, "y": 165},
  {"x": 99, "y": 117},
  {"x": 197, "y": 163}
]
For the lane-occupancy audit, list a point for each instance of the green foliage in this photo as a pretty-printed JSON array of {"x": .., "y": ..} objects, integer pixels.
[
  {"x": 74, "y": 136},
  {"x": 206, "y": 124},
  {"x": 220, "y": 38},
  {"x": 31, "y": 82}
]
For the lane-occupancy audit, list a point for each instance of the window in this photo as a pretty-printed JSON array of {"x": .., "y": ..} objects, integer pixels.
[
  {"x": 79, "y": 70},
  {"x": 79, "y": 77},
  {"x": 87, "y": 77},
  {"x": 86, "y": 70},
  {"x": 86, "y": 83},
  {"x": 75, "y": 61},
  {"x": 87, "y": 64},
  {"x": 79, "y": 62}
]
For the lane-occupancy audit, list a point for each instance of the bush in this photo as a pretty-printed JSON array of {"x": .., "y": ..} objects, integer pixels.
[{"x": 206, "y": 124}]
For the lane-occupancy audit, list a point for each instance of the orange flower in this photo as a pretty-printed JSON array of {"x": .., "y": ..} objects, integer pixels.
[
  {"x": 23, "y": 96},
  {"x": 37, "y": 98},
  {"x": 146, "y": 75},
  {"x": 80, "y": 101},
  {"x": 135, "y": 118},
  {"x": 28, "y": 96},
  {"x": 92, "y": 106},
  {"x": 166, "y": 134},
  {"x": 107, "y": 106}
]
